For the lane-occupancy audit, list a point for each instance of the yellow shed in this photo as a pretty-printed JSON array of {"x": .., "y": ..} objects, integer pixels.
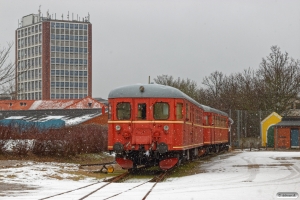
[{"x": 267, "y": 128}]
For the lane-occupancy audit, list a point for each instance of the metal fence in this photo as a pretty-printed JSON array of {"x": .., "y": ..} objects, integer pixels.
[{"x": 247, "y": 124}]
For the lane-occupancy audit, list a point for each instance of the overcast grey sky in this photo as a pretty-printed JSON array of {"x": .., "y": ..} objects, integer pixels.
[{"x": 189, "y": 39}]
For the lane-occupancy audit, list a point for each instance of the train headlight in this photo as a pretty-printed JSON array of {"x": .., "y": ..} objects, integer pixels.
[
  {"x": 118, "y": 127},
  {"x": 166, "y": 127}
]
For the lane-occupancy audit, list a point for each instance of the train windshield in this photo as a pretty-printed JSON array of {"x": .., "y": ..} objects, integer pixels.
[
  {"x": 161, "y": 111},
  {"x": 123, "y": 111}
]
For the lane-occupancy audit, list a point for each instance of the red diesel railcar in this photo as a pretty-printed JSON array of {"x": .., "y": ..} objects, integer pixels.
[{"x": 154, "y": 124}]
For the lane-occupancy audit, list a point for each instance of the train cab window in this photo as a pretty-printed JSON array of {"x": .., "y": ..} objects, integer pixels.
[
  {"x": 161, "y": 111},
  {"x": 123, "y": 111},
  {"x": 179, "y": 111},
  {"x": 141, "y": 111}
]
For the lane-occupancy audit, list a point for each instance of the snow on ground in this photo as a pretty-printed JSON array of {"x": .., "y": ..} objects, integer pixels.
[{"x": 235, "y": 175}]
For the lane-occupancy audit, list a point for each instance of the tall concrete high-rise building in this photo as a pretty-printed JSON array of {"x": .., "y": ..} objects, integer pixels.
[{"x": 53, "y": 57}]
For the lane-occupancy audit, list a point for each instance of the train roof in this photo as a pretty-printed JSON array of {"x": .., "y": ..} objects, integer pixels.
[{"x": 156, "y": 91}]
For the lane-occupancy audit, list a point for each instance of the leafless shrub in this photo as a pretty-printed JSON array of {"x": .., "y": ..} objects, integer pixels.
[{"x": 67, "y": 141}]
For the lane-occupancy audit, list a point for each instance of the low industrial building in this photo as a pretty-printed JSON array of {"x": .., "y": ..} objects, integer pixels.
[
  {"x": 54, "y": 118},
  {"x": 45, "y": 114},
  {"x": 286, "y": 133}
]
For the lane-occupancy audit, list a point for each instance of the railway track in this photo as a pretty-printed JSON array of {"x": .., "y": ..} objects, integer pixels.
[
  {"x": 107, "y": 182},
  {"x": 91, "y": 189},
  {"x": 155, "y": 180}
]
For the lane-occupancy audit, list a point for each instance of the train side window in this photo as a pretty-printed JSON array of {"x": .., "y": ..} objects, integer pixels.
[
  {"x": 109, "y": 111},
  {"x": 141, "y": 111},
  {"x": 179, "y": 110},
  {"x": 123, "y": 111},
  {"x": 161, "y": 111}
]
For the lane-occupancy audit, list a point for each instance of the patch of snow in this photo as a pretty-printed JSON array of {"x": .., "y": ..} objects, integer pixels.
[
  {"x": 15, "y": 117},
  {"x": 236, "y": 175},
  {"x": 78, "y": 120},
  {"x": 50, "y": 117}
]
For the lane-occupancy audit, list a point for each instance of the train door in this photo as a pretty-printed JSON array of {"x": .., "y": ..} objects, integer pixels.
[
  {"x": 187, "y": 125},
  {"x": 192, "y": 125},
  {"x": 212, "y": 124},
  {"x": 179, "y": 127},
  {"x": 141, "y": 123}
]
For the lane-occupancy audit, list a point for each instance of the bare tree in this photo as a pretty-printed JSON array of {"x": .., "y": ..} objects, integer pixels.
[
  {"x": 188, "y": 86},
  {"x": 280, "y": 76},
  {"x": 7, "y": 68}
]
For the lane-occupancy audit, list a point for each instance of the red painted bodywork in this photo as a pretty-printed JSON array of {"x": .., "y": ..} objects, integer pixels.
[{"x": 189, "y": 132}]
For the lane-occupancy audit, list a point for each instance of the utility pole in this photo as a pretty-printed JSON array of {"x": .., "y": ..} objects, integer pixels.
[
  {"x": 230, "y": 128},
  {"x": 238, "y": 126}
]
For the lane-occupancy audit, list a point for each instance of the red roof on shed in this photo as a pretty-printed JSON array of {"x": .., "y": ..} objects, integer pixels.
[{"x": 85, "y": 103}]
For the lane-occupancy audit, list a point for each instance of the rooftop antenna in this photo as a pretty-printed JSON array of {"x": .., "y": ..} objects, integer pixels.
[
  {"x": 40, "y": 11},
  {"x": 68, "y": 16},
  {"x": 88, "y": 17},
  {"x": 62, "y": 16},
  {"x": 47, "y": 13},
  {"x": 72, "y": 16}
]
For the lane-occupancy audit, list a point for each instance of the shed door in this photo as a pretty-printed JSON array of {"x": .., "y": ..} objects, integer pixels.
[
  {"x": 270, "y": 137},
  {"x": 295, "y": 138}
]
